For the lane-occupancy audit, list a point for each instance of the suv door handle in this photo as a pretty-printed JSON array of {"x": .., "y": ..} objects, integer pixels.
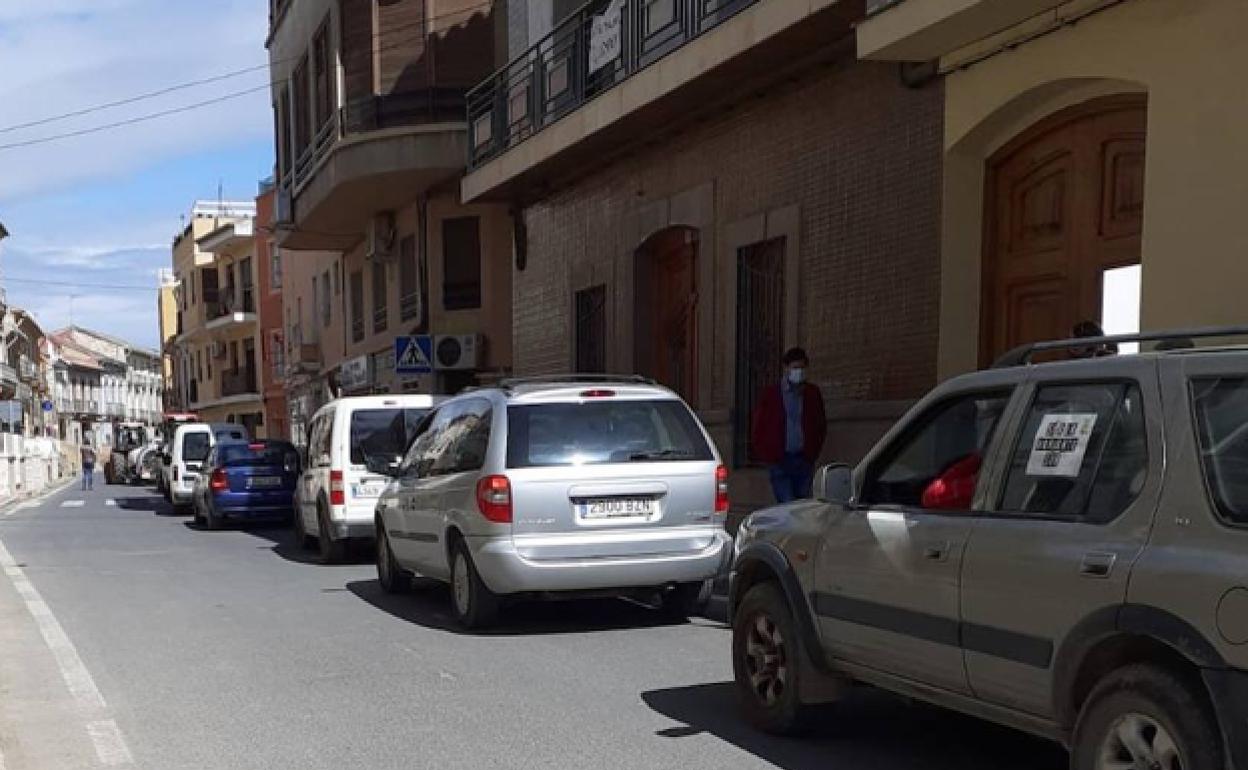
[
  {"x": 1097, "y": 565},
  {"x": 936, "y": 551}
]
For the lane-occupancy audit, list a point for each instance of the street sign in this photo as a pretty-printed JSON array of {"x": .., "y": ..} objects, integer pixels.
[
  {"x": 47, "y": 406},
  {"x": 413, "y": 355}
]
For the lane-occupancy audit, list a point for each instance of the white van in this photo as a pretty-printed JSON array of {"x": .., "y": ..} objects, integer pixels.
[
  {"x": 337, "y": 495},
  {"x": 186, "y": 454}
]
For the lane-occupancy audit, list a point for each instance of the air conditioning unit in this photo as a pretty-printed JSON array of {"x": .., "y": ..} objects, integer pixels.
[
  {"x": 284, "y": 208},
  {"x": 381, "y": 236},
  {"x": 217, "y": 350},
  {"x": 457, "y": 351}
]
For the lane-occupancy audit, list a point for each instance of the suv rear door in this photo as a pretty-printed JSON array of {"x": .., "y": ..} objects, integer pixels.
[
  {"x": 600, "y": 476},
  {"x": 888, "y": 568},
  {"x": 1070, "y": 515}
]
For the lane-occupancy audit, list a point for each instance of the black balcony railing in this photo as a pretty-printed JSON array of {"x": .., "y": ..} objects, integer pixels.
[
  {"x": 238, "y": 383},
  {"x": 554, "y": 76}
]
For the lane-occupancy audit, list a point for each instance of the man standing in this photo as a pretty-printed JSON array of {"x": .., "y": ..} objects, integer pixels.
[
  {"x": 88, "y": 466},
  {"x": 789, "y": 428}
]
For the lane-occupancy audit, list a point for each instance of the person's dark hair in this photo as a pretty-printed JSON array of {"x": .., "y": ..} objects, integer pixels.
[{"x": 794, "y": 355}]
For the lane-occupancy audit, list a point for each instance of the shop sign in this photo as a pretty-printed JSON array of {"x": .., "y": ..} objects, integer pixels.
[{"x": 356, "y": 373}]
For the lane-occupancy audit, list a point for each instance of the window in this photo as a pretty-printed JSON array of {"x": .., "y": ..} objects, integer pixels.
[
  {"x": 464, "y": 438},
  {"x": 935, "y": 464},
  {"x": 271, "y": 453},
  {"x": 277, "y": 354},
  {"x": 210, "y": 293},
  {"x": 760, "y": 333},
  {"x": 1081, "y": 453},
  {"x": 248, "y": 285},
  {"x": 461, "y": 274},
  {"x": 196, "y": 446},
  {"x": 409, "y": 282},
  {"x": 322, "y": 82},
  {"x": 283, "y": 132},
  {"x": 318, "y": 449},
  {"x": 380, "y": 311},
  {"x": 591, "y": 330},
  {"x": 384, "y": 433},
  {"x": 327, "y": 304},
  {"x": 1220, "y": 405},
  {"x": 303, "y": 126},
  {"x": 597, "y": 432},
  {"x": 338, "y": 279},
  {"x": 357, "y": 305},
  {"x": 275, "y": 268}
]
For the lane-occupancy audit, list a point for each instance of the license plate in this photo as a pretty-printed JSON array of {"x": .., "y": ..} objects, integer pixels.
[
  {"x": 367, "y": 489},
  {"x": 264, "y": 482},
  {"x": 616, "y": 508}
]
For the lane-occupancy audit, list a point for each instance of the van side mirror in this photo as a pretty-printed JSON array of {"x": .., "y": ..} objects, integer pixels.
[
  {"x": 834, "y": 484},
  {"x": 381, "y": 465}
]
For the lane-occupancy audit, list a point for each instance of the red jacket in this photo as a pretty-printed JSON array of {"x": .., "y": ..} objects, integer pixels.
[{"x": 767, "y": 433}]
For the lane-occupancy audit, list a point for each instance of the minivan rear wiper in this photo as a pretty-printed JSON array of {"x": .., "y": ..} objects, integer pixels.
[{"x": 662, "y": 454}]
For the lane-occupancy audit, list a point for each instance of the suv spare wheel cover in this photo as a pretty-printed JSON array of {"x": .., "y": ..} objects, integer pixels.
[{"x": 1233, "y": 616}]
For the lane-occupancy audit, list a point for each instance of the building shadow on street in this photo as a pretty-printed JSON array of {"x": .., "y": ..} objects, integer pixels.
[
  {"x": 868, "y": 729},
  {"x": 281, "y": 535},
  {"x": 429, "y": 605}
]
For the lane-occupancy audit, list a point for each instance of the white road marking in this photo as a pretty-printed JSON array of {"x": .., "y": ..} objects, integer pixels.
[
  {"x": 73, "y": 503},
  {"x": 110, "y": 502},
  {"x": 110, "y": 745}
]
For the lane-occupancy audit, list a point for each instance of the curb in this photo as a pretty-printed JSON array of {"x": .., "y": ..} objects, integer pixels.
[{"x": 43, "y": 494}]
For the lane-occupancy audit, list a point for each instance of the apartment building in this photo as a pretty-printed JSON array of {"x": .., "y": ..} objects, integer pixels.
[
  {"x": 214, "y": 356},
  {"x": 703, "y": 184},
  {"x": 1093, "y": 163},
  {"x": 100, "y": 380},
  {"x": 375, "y": 244},
  {"x": 272, "y": 324},
  {"x": 170, "y": 319}
]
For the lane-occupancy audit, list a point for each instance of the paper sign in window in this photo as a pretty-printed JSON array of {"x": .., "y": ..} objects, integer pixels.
[{"x": 1060, "y": 444}]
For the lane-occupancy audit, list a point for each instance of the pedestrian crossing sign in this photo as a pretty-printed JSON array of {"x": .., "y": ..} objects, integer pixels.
[{"x": 413, "y": 354}]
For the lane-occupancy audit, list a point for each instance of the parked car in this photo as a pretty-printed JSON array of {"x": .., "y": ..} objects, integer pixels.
[
  {"x": 548, "y": 488},
  {"x": 186, "y": 454},
  {"x": 246, "y": 481},
  {"x": 1056, "y": 547},
  {"x": 337, "y": 493}
]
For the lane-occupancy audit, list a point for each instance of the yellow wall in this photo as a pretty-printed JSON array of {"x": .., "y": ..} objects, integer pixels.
[{"x": 1189, "y": 57}]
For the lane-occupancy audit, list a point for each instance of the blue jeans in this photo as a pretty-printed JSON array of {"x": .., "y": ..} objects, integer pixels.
[
  {"x": 88, "y": 476},
  {"x": 790, "y": 480}
]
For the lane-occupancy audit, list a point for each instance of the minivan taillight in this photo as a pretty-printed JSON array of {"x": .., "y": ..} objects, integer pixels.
[
  {"x": 218, "y": 482},
  {"x": 337, "y": 495},
  {"x": 494, "y": 498},
  {"x": 721, "y": 490}
]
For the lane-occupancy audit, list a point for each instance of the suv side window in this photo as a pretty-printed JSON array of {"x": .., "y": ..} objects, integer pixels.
[
  {"x": 427, "y": 447},
  {"x": 320, "y": 439},
  {"x": 935, "y": 465},
  {"x": 1220, "y": 405},
  {"x": 467, "y": 438},
  {"x": 1082, "y": 453}
]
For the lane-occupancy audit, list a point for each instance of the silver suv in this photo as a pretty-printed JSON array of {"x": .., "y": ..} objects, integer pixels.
[
  {"x": 1061, "y": 547},
  {"x": 545, "y": 487}
]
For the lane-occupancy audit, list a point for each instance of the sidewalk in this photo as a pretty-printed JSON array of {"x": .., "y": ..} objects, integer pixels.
[{"x": 57, "y": 486}]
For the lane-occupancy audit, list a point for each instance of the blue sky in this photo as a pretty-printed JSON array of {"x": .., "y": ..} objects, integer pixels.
[{"x": 100, "y": 211}]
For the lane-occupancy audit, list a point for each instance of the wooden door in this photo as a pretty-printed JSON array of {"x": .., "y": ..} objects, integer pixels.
[
  {"x": 1064, "y": 203},
  {"x": 668, "y": 349}
]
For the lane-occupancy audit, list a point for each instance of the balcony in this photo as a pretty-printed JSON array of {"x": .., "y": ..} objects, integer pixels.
[
  {"x": 394, "y": 123},
  {"x": 115, "y": 409},
  {"x": 27, "y": 371},
  {"x": 923, "y": 30},
  {"x": 232, "y": 309},
  {"x": 8, "y": 378},
  {"x": 239, "y": 383},
  {"x": 573, "y": 100},
  {"x": 304, "y": 359}
]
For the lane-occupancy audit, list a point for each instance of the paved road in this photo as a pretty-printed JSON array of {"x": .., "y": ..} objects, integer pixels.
[{"x": 234, "y": 650}]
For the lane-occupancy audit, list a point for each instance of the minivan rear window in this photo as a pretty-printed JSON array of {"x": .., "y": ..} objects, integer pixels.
[
  {"x": 383, "y": 432},
  {"x": 1221, "y": 409},
  {"x": 598, "y": 432},
  {"x": 196, "y": 446}
]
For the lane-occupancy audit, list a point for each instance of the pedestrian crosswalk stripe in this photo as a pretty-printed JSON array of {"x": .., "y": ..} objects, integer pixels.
[
  {"x": 73, "y": 503},
  {"x": 110, "y": 501}
]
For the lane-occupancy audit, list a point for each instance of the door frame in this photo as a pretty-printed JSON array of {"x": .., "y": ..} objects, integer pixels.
[{"x": 988, "y": 248}]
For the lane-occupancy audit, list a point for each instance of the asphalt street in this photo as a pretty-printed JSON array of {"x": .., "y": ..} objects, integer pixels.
[{"x": 235, "y": 650}]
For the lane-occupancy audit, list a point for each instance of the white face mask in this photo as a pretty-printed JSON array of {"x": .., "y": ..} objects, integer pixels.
[{"x": 797, "y": 376}]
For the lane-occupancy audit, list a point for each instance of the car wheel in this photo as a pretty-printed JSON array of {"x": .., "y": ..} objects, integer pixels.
[
  {"x": 215, "y": 522},
  {"x": 1146, "y": 717},
  {"x": 393, "y": 578},
  {"x": 682, "y": 601},
  {"x": 302, "y": 539},
  {"x": 766, "y": 657},
  {"x": 476, "y": 606},
  {"x": 199, "y": 517},
  {"x": 332, "y": 551}
]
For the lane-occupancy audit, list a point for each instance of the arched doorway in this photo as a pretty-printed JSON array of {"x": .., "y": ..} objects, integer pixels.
[
  {"x": 666, "y": 292},
  {"x": 1064, "y": 205}
]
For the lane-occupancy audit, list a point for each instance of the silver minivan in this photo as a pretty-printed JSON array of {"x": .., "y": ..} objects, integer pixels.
[{"x": 536, "y": 488}]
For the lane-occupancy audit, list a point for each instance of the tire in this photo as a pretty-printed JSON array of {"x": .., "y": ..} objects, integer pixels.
[
  {"x": 475, "y": 605},
  {"x": 393, "y": 578},
  {"x": 199, "y": 517},
  {"x": 682, "y": 601},
  {"x": 214, "y": 522},
  {"x": 303, "y": 540},
  {"x": 766, "y": 661},
  {"x": 332, "y": 551},
  {"x": 1167, "y": 720}
]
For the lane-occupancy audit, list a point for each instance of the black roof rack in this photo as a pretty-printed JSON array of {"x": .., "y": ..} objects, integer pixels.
[
  {"x": 632, "y": 379},
  {"x": 1022, "y": 354}
]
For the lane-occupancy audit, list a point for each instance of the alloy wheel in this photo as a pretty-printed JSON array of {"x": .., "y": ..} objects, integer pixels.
[
  {"x": 766, "y": 660},
  {"x": 1138, "y": 742}
]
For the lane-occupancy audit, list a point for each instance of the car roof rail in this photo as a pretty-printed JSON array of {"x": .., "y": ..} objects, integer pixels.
[
  {"x": 632, "y": 379},
  {"x": 1021, "y": 355}
]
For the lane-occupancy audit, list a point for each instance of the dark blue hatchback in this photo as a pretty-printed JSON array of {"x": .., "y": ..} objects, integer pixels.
[{"x": 247, "y": 481}]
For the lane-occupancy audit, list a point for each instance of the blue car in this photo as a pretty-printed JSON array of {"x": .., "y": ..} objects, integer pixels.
[{"x": 246, "y": 481}]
